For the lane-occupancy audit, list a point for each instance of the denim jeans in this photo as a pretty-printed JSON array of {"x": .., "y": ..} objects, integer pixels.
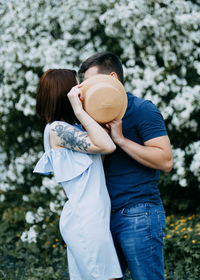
[{"x": 138, "y": 233}]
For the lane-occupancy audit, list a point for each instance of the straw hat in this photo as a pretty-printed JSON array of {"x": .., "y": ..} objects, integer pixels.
[{"x": 105, "y": 98}]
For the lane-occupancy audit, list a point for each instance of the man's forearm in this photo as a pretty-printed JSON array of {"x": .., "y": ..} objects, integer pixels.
[{"x": 151, "y": 156}]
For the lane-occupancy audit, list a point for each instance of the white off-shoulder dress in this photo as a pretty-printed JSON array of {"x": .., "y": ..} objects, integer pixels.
[{"x": 85, "y": 218}]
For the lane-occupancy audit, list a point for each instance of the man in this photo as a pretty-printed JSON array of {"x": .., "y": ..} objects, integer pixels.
[{"x": 132, "y": 174}]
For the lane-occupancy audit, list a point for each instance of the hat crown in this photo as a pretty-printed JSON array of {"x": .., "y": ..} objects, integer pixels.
[{"x": 104, "y": 98}]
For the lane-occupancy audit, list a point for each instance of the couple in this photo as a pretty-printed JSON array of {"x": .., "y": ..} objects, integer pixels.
[{"x": 136, "y": 149}]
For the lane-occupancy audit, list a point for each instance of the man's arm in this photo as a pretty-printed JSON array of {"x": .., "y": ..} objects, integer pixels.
[{"x": 155, "y": 153}]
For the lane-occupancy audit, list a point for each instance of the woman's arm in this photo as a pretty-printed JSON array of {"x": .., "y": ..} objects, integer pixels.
[{"x": 95, "y": 140}]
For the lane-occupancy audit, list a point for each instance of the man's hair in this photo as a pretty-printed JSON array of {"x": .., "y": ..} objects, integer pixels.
[
  {"x": 52, "y": 103},
  {"x": 106, "y": 62}
]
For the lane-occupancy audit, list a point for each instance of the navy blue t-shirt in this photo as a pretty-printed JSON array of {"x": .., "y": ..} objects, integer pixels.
[{"x": 128, "y": 181}]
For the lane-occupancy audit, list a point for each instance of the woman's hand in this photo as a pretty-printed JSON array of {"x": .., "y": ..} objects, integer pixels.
[{"x": 76, "y": 98}]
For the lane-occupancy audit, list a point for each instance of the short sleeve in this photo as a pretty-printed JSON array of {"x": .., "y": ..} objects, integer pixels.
[
  {"x": 65, "y": 164},
  {"x": 150, "y": 123}
]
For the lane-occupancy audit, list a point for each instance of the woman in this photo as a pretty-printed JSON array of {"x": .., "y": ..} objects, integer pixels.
[{"x": 73, "y": 155}]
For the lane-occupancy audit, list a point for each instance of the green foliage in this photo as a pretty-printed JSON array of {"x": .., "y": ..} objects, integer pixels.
[
  {"x": 177, "y": 199},
  {"x": 182, "y": 248},
  {"x": 45, "y": 259}
]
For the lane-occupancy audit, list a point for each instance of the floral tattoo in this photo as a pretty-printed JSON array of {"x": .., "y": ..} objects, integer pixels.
[{"x": 72, "y": 138}]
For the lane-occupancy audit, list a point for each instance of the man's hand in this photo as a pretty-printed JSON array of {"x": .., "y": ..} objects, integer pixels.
[{"x": 115, "y": 128}]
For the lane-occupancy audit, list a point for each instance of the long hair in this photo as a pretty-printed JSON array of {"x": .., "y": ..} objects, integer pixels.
[{"x": 52, "y": 102}]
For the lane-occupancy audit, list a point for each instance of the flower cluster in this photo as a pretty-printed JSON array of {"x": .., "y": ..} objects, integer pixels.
[
  {"x": 194, "y": 150},
  {"x": 30, "y": 235},
  {"x": 184, "y": 227},
  {"x": 179, "y": 167}
]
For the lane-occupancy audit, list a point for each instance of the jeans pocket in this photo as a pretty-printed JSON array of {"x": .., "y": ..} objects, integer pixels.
[
  {"x": 161, "y": 223},
  {"x": 137, "y": 219},
  {"x": 133, "y": 212}
]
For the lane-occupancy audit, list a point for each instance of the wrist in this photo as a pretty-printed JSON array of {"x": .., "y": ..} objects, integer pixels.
[
  {"x": 120, "y": 141},
  {"x": 79, "y": 112},
  {"x": 84, "y": 118}
]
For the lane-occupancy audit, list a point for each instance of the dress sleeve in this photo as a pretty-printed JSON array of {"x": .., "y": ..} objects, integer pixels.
[
  {"x": 44, "y": 165},
  {"x": 64, "y": 163},
  {"x": 150, "y": 123}
]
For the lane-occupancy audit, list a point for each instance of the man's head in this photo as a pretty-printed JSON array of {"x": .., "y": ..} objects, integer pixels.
[{"x": 102, "y": 63}]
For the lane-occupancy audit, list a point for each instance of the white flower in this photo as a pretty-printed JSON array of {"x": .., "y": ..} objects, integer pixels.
[
  {"x": 181, "y": 171},
  {"x": 179, "y": 167},
  {"x": 194, "y": 149},
  {"x": 2, "y": 197},
  {"x": 30, "y": 219},
  {"x": 30, "y": 235},
  {"x": 25, "y": 198},
  {"x": 50, "y": 184},
  {"x": 55, "y": 207},
  {"x": 39, "y": 216},
  {"x": 183, "y": 182}
]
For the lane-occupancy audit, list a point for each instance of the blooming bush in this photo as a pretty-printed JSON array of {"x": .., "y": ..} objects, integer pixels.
[{"x": 158, "y": 43}]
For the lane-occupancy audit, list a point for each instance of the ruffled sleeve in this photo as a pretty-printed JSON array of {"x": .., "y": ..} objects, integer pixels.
[
  {"x": 44, "y": 165},
  {"x": 64, "y": 163}
]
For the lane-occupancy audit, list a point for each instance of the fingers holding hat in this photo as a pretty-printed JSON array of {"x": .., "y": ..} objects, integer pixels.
[
  {"x": 76, "y": 97},
  {"x": 81, "y": 92}
]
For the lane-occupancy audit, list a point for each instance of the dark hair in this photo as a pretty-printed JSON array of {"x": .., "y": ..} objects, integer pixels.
[
  {"x": 106, "y": 62},
  {"x": 52, "y": 102}
]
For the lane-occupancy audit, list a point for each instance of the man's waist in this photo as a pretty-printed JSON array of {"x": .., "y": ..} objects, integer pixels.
[{"x": 156, "y": 201}]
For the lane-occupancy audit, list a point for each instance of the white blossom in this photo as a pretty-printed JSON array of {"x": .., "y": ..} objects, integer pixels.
[
  {"x": 30, "y": 219},
  {"x": 40, "y": 214},
  {"x": 2, "y": 197},
  {"x": 194, "y": 150},
  {"x": 50, "y": 184},
  {"x": 179, "y": 167},
  {"x": 37, "y": 217},
  {"x": 55, "y": 207},
  {"x": 25, "y": 198},
  {"x": 30, "y": 235}
]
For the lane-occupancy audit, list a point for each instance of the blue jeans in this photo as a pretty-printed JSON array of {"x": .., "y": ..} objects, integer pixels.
[{"x": 138, "y": 233}]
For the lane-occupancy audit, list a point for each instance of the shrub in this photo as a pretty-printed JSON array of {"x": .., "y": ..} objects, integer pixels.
[{"x": 182, "y": 247}]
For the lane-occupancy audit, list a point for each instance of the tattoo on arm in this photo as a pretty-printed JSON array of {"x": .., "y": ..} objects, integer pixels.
[{"x": 72, "y": 138}]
